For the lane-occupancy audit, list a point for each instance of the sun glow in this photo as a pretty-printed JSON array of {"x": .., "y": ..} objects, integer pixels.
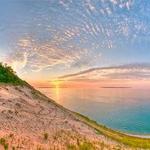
[{"x": 57, "y": 85}]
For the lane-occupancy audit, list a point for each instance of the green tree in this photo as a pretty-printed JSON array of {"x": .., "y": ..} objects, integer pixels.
[{"x": 8, "y": 75}]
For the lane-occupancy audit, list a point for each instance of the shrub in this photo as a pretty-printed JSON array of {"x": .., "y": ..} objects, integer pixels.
[
  {"x": 86, "y": 146},
  {"x": 4, "y": 144},
  {"x": 7, "y": 75},
  {"x": 45, "y": 136}
]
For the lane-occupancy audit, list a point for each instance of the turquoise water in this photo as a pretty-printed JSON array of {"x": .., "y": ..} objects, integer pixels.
[{"x": 124, "y": 109}]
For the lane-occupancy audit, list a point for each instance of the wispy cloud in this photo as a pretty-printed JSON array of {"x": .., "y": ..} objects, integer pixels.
[
  {"x": 130, "y": 71},
  {"x": 73, "y": 35},
  {"x": 35, "y": 56}
]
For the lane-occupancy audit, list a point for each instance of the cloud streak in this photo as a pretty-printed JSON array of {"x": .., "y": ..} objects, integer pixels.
[
  {"x": 37, "y": 56},
  {"x": 130, "y": 71},
  {"x": 72, "y": 35}
]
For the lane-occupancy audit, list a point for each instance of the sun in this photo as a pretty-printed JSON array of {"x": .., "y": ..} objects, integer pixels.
[{"x": 56, "y": 83}]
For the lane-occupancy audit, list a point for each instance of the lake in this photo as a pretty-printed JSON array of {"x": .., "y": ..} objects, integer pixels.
[{"x": 124, "y": 109}]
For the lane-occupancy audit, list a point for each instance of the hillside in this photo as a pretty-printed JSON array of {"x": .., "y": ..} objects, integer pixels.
[
  {"x": 31, "y": 121},
  {"x": 7, "y": 75}
]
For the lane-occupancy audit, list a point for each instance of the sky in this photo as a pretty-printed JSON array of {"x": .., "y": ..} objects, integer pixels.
[{"x": 82, "y": 40}]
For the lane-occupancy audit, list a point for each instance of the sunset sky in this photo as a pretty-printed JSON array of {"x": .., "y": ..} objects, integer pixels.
[{"x": 76, "y": 40}]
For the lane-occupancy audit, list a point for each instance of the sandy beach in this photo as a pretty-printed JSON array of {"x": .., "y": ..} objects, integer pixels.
[{"x": 29, "y": 120}]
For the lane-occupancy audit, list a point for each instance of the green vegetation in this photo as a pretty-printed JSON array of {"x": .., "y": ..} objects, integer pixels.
[
  {"x": 4, "y": 143},
  {"x": 131, "y": 141},
  {"x": 7, "y": 75},
  {"x": 82, "y": 146},
  {"x": 71, "y": 147},
  {"x": 86, "y": 146}
]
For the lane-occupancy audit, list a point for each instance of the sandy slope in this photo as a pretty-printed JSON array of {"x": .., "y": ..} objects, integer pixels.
[{"x": 30, "y": 121}]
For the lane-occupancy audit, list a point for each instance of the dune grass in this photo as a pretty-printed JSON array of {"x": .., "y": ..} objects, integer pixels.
[
  {"x": 121, "y": 138},
  {"x": 45, "y": 136},
  {"x": 135, "y": 142},
  {"x": 7, "y": 75},
  {"x": 82, "y": 146},
  {"x": 4, "y": 143}
]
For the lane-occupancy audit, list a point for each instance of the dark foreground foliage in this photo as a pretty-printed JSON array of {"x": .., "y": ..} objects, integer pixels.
[{"x": 7, "y": 75}]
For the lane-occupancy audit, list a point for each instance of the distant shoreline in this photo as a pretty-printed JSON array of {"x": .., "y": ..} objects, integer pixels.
[
  {"x": 114, "y": 87},
  {"x": 147, "y": 136},
  {"x": 109, "y": 87}
]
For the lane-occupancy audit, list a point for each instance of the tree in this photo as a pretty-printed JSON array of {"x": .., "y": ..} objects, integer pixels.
[{"x": 8, "y": 75}]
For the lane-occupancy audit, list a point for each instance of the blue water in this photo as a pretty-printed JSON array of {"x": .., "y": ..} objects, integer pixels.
[{"x": 126, "y": 110}]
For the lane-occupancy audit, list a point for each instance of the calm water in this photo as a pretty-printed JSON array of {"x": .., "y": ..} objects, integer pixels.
[{"x": 122, "y": 109}]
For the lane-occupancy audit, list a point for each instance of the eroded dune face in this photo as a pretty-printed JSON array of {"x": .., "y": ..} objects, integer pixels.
[{"x": 29, "y": 120}]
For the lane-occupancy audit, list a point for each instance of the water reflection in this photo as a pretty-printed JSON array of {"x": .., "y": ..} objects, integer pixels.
[{"x": 123, "y": 109}]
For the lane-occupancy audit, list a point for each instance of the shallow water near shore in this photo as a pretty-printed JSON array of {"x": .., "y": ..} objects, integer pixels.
[{"x": 123, "y": 109}]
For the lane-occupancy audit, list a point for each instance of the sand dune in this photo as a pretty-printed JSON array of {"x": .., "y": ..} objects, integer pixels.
[{"x": 31, "y": 121}]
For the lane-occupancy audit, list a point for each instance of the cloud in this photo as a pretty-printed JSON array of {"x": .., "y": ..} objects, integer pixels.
[
  {"x": 130, "y": 71},
  {"x": 122, "y": 4},
  {"x": 18, "y": 60},
  {"x": 76, "y": 34},
  {"x": 36, "y": 56},
  {"x": 33, "y": 54}
]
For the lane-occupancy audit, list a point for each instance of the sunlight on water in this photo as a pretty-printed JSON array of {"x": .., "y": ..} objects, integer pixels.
[
  {"x": 56, "y": 90},
  {"x": 125, "y": 109}
]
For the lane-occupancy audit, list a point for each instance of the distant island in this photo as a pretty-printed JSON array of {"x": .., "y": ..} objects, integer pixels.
[
  {"x": 30, "y": 120},
  {"x": 117, "y": 87}
]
